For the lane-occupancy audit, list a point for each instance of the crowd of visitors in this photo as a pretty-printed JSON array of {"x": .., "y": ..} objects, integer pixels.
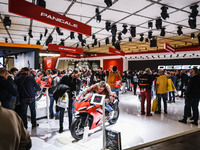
[{"x": 18, "y": 90}]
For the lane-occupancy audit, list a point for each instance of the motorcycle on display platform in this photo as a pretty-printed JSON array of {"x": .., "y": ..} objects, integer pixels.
[{"x": 90, "y": 115}]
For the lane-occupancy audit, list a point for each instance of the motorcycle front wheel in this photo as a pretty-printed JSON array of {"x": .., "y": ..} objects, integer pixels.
[
  {"x": 116, "y": 116},
  {"x": 77, "y": 128}
]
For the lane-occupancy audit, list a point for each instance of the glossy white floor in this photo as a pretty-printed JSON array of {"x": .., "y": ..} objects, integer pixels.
[{"x": 135, "y": 129}]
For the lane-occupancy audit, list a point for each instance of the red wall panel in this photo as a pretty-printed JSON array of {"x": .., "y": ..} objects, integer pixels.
[
  {"x": 50, "y": 62},
  {"x": 109, "y": 63}
]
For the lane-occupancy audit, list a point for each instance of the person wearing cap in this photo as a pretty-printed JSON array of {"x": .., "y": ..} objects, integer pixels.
[{"x": 27, "y": 87}]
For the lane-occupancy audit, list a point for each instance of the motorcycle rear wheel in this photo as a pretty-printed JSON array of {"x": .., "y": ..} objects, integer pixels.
[{"x": 77, "y": 128}]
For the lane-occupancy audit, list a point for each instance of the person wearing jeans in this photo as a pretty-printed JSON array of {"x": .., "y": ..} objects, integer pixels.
[{"x": 161, "y": 90}]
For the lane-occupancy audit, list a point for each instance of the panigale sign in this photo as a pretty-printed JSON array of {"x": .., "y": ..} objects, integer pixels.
[
  {"x": 60, "y": 48},
  {"x": 35, "y": 12}
]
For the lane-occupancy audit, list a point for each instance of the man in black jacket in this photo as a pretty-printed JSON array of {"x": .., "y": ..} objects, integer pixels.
[
  {"x": 7, "y": 90},
  {"x": 192, "y": 98},
  {"x": 27, "y": 87}
]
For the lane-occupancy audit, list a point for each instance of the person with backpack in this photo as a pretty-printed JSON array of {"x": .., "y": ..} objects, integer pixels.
[
  {"x": 55, "y": 80},
  {"x": 115, "y": 80},
  {"x": 145, "y": 83}
]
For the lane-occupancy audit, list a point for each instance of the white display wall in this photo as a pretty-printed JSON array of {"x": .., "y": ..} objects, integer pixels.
[{"x": 25, "y": 60}]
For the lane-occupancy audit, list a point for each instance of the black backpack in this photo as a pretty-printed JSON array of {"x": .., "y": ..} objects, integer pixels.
[{"x": 60, "y": 90}]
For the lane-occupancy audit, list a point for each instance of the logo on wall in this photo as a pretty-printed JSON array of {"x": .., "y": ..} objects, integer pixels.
[
  {"x": 178, "y": 67},
  {"x": 49, "y": 63}
]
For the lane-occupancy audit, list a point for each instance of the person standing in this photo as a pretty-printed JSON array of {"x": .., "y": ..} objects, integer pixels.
[
  {"x": 129, "y": 79},
  {"x": 192, "y": 96},
  {"x": 184, "y": 82},
  {"x": 124, "y": 82},
  {"x": 27, "y": 87},
  {"x": 172, "y": 93},
  {"x": 113, "y": 78},
  {"x": 135, "y": 81},
  {"x": 161, "y": 90},
  {"x": 100, "y": 75},
  {"x": 145, "y": 83},
  {"x": 7, "y": 90}
]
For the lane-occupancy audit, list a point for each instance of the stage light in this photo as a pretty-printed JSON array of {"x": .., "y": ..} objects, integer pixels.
[
  {"x": 108, "y": 25},
  {"x": 113, "y": 40},
  {"x": 30, "y": 33},
  {"x": 192, "y": 23},
  {"x": 6, "y": 40},
  {"x": 162, "y": 33},
  {"x": 153, "y": 42},
  {"x": 88, "y": 46},
  {"x": 141, "y": 37},
  {"x": 164, "y": 13},
  {"x": 150, "y": 34},
  {"x": 158, "y": 23},
  {"x": 7, "y": 22},
  {"x": 119, "y": 36},
  {"x": 114, "y": 30},
  {"x": 38, "y": 43},
  {"x": 117, "y": 45},
  {"x": 133, "y": 31},
  {"x": 179, "y": 31},
  {"x": 108, "y": 2},
  {"x": 72, "y": 35},
  {"x": 95, "y": 42},
  {"x": 41, "y": 36},
  {"x": 92, "y": 45},
  {"x": 124, "y": 31},
  {"x": 49, "y": 40},
  {"x": 98, "y": 16},
  {"x": 130, "y": 39},
  {"x": 45, "y": 32},
  {"x": 83, "y": 43},
  {"x": 80, "y": 37},
  {"x": 77, "y": 45},
  {"x": 93, "y": 36},
  {"x": 62, "y": 42},
  {"x": 150, "y": 25},
  {"x": 25, "y": 38},
  {"x": 99, "y": 44},
  {"x": 146, "y": 40},
  {"x": 107, "y": 41},
  {"x": 41, "y": 3},
  {"x": 194, "y": 12},
  {"x": 58, "y": 31}
]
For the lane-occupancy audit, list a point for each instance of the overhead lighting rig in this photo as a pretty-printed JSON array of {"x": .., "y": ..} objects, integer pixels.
[
  {"x": 179, "y": 31},
  {"x": 41, "y": 3},
  {"x": 162, "y": 33},
  {"x": 150, "y": 25},
  {"x": 114, "y": 30},
  {"x": 80, "y": 37},
  {"x": 107, "y": 41},
  {"x": 119, "y": 36},
  {"x": 108, "y": 2},
  {"x": 108, "y": 25},
  {"x": 150, "y": 34},
  {"x": 58, "y": 31},
  {"x": 72, "y": 35},
  {"x": 124, "y": 31},
  {"x": 25, "y": 38},
  {"x": 45, "y": 32},
  {"x": 133, "y": 31},
  {"x": 41, "y": 36},
  {"x": 192, "y": 35},
  {"x": 62, "y": 42},
  {"x": 158, "y": 23},
  {"x": 38, "y": 43},
  {"x": 141, "y": 37},
  {"x": 98, "y": 16},
  {"x": 7, "y": 22},
  {"x": 164, "y": 13},
  {"x": 192, "y": 17},
  {"x": 130, "y": 39},
  {"x": 30, "y": 33}
]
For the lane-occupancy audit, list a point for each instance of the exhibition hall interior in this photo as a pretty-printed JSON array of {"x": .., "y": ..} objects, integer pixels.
[{"x": 99, "y": 74}]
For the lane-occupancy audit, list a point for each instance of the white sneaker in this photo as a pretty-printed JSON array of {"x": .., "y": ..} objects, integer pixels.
[{"x": 111, "y": 114}]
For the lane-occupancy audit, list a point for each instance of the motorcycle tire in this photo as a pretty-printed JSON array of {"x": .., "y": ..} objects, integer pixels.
[
  {"x": 116, "y": 116},
  {"x": 38, "y": 96},
  {"x": 77, "y": 122}
]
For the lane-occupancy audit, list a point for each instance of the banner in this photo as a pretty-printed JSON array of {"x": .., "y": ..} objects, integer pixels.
[
  {"x": 169, "y": 48},
  {"x": 35, "y": 12},
  {"x": 69, "y": 55},
  {"x": 116, "y": 51},
  {"x": 60, "y": 48}
]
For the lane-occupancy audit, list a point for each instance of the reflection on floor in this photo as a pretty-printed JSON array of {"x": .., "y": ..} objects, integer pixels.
[{"x": 135, "y": 129}]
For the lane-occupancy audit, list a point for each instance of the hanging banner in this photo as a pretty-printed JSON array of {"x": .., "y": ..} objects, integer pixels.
[
  {"x": 60, "y": 48},
  {"x": 116, "y": 51},
  {"x": 35, "y": 12},
  {"x": 169, "y": 48},
  {"x": 69, "y": 55}
]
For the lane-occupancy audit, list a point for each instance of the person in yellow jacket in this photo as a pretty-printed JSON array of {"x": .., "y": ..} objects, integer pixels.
[{"x": 112, "y": 78}]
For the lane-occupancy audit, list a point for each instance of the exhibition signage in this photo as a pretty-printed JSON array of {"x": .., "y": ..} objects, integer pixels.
[
  {"x": 169, "y": 48},
  {"x": 116, "y": 51},
  {"x": 62, "y": 54},
  {"x": 178, "y": 67},
  {"x": 35, "y": 12},
  {"x": 60, "y": 48}
]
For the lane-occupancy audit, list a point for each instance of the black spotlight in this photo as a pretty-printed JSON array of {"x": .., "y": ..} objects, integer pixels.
[
  {"x": 83, "y": 43},
  {"x": 117, "y": 45},
  {"x": 72, "y": 35},
  {"x": 77, "y": 45},
  {"x": 58, "y": 31},
  {"x": 80, "y": 37},
  {"x": 141, "y": 37},
  {"x": 108, "y": 25},
  {"x": 99, "y": 44},
  {"x": 93, "y": 36},
  {"x": 88, "y": 46},
  {"x": 164, "y": 13},
  {"x": 98, "y": 16},
  {"x": 41, "y": 3},
  {"x": 30, "y": 33},
  {"x": 153, "y": 42},
  {"x": 107, "y": 41},
  {"x": 7, "y": 22},
  {"x": 130, "y": 39},
  {"x": 192, "y": 35},
  {"x": 108, "y": 2},
  {"x": 150, "y": 34},
  {"x": 124, "y": 31},
  {"x": 62, "y": 42},
  {"x": 38, "y": 43},
  {"x": 162, "y": 32},
  {"x": 92, "y": 45},
  {"x": 194, "y": 12},
  {"x": 146, "y": 40},
  {"x": 133, "y": 31},
  {"x": 49, "y": 40},
  {"x": 158, "y": 23},
  {"x": 113, "y": 40},
  {"x": 45, "y": 32},
  {"x": 95, "y": 42},
  {"x": 119, "y": 36},
  {"x": 25, "y": 38},
  {"x": 41, "y": 36},
  {"x": 179, "y": 31},
  {"x": 192, "y": 23},
  {"x": 150, "y": 25},
  {"x": 114, "y": 30},
  {"x": 6, "y": 40}
]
